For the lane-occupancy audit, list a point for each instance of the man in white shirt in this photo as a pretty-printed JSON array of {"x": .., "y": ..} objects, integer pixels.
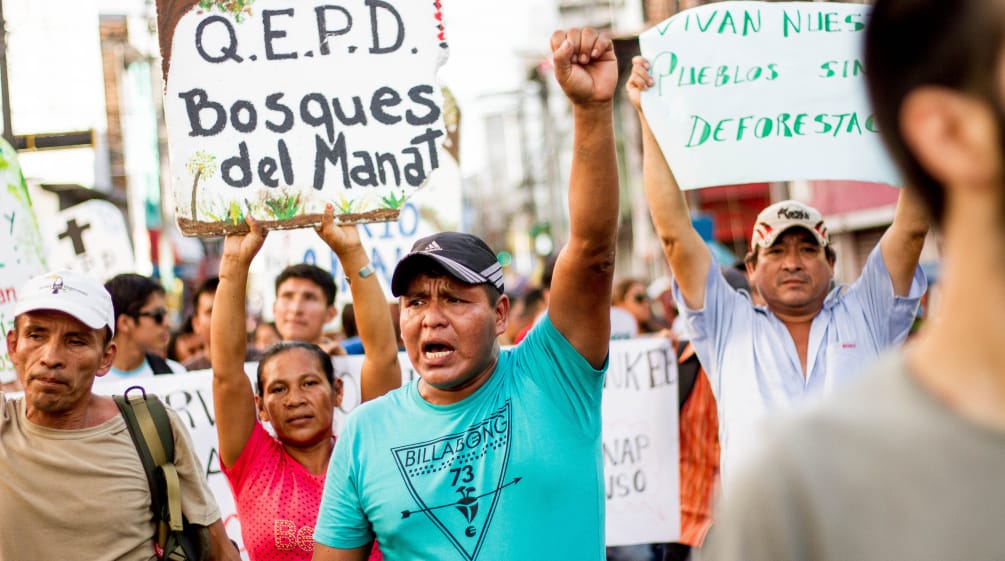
[{"x": 808, "y": 337}]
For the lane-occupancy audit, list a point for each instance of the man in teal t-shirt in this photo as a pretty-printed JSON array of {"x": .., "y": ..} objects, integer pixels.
[{"x": 493, "y": 455}]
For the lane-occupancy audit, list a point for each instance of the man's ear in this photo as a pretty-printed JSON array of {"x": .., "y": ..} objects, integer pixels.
[
  {"x": 748, "y": 263},
  {"x": 330, "y": 313},
  {"x": 107, "y": 359},
  {"x": 502, "y": 314},
  {"x": 122, "y": 323},
  {"x": 952, "y": 135}
]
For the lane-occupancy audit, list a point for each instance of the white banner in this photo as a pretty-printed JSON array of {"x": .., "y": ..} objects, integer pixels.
[
  {"x": 641, "y": 445},
  {"x": 90, "y": 237},
  {"x": 756, "y": 91},
  {"x": 276, "y": 108},
  {"x": 640, "y": 449}
]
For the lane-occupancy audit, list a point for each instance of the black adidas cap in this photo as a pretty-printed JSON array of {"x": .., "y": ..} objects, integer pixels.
[{"x": 465, "y": 257}]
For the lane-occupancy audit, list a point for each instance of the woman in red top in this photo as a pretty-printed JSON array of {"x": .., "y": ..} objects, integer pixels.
[{"x": 277, "y": 481}]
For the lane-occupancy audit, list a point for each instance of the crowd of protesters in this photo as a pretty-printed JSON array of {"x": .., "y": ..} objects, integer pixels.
[{"x": 801, "y": 408}]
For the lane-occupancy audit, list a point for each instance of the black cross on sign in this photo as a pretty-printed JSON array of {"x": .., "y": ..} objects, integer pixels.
[{"x": 73, "y": 232}]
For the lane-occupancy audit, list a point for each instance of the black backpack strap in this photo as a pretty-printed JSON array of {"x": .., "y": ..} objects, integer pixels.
[
  {"x": 158, "y": 364},
  {"x": 688, "y": 368}
]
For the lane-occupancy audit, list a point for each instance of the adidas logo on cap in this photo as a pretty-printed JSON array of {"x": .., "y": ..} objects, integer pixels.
[{"x": 433, "y": 246}]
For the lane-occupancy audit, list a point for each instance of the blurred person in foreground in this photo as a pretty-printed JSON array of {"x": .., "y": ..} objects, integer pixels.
[{"x": 907, "y": 463}]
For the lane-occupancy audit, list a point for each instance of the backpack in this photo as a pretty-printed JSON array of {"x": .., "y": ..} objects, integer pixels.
[{"x": 150, "y": 427}]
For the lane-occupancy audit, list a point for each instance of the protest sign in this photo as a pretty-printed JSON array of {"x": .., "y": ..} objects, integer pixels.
[
  {"x": 639, "y": 444},
  {"x": 22, "y": 254},
  {"x": 90, "y": 237},
  {"x": 640, "y": 451},
  {"x": 276, "y": 108},
  {"x": 754, "y": 91},
  {"x": 435, "y": 208}
]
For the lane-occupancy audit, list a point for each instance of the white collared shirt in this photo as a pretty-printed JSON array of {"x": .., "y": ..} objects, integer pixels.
[{"x": 751, "y": 359}]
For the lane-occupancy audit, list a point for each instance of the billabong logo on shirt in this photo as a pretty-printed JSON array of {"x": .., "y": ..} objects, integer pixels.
[{"x": 456, "y": 480}]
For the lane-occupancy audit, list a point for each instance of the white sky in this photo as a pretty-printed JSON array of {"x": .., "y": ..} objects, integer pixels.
[{"x": 491, "y": 47}]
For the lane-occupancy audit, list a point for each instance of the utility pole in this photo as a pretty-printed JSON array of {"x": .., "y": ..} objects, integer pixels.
[{"x": 8, "y": 129}]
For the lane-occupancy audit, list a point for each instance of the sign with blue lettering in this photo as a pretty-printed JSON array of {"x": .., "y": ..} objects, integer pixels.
[
  {"x": 756, "y": 91},
  {"x": 275, "y": 108}
]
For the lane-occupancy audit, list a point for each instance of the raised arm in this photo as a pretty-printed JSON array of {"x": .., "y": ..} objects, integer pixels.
[
  {"x": 684, "y": 249},
  {"x": 380, "y": 372},
  {"x": 233, "y": 398},
  {"x": 902, "y": 242},
  {"x": 580, "y": 300}
]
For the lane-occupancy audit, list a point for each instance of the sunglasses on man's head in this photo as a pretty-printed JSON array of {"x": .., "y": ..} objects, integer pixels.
[{"x": 157, "y": 315}]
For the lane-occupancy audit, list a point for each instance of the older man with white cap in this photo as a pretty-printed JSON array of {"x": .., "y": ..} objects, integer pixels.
[
  {"x": 808, "y": 336},
  {"x": 71, "y": 481}
]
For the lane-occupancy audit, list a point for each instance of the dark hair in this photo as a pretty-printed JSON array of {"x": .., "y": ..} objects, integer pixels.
[
  {"x": 915, "y": 43},
  {"x": 207, "y": 286},
  {"x": 130, "y": 292},
  {"x": 549, "y": 271},
  {"x": 185, "y": 329},
  {"x": 324, "y": 360},
  {"x": 348, "y": 314},
  {"x": 312, "y": 273},
  {"x": 532, "y": 297}
]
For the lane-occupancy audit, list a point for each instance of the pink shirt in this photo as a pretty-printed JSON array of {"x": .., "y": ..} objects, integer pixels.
[{"x": 277, "y": 501}]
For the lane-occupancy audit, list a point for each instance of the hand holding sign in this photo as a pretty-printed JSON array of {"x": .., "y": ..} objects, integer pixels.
[
  {"x": 638, "y": 82},
  {"x": 349, "y": 113},
  {"x": 243, "y": 247},
  {"x": 341, "y": 239},
  {"x": 757, "y": 91}
]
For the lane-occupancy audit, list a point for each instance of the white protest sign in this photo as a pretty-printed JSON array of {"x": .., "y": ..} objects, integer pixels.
[
  {"x": 22, "y": 254},
  {"x": 435, "y": 208},
  {"x": 91, "y": 237},
  {"x": 641, "y": 443},
  {"x": 756, "y": 91},
  {"x": 640, "y": 438},
  {"x": 275, "y": 108}
]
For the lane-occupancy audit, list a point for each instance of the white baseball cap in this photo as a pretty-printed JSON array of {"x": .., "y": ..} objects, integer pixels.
[
  {"x": 69, "y": 292},
  {"x": 781, "y": 216}
]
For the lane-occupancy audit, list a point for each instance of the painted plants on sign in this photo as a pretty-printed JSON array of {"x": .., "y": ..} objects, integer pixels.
[{"x": 281, "y": 148}]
